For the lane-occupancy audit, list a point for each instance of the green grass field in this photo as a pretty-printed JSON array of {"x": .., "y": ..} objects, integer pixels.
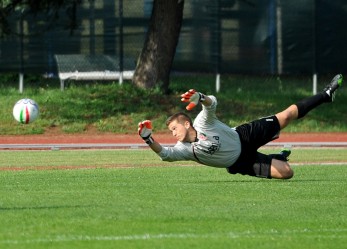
[
  {"x": 109, "y": 107},
  {"x": 130, "y": 199}
]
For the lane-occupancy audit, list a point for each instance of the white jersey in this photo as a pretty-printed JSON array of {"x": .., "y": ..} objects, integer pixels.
[{"x": 217, "y": 144}]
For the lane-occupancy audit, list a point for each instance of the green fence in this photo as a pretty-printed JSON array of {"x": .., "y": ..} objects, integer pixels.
[{"x": 235, "y": 36}]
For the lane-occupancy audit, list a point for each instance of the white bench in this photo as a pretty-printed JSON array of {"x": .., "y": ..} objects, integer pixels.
[{"x": 90, "y": 67}]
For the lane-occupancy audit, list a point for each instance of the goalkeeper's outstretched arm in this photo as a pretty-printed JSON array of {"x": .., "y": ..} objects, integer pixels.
[
  {"x": 145, "y": 127},
  {"x": 156, "y": 147},
  {"x": 145, "y": 132},
  {"x": 194, "y": 97}
]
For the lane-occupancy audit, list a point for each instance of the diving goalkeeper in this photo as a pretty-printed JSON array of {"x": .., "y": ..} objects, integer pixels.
[{"x": 210, "y": 142}]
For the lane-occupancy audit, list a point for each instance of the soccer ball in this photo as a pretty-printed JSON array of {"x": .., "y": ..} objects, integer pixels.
[{"x": 25, "y": 111}]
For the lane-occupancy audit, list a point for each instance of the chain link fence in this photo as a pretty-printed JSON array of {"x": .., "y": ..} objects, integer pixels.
[{"x": 223, "y": 36}]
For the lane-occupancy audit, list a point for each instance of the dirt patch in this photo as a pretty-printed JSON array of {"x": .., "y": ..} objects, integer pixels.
[
  {"x": 80, "y": 138},
  {"x": 162, "y": 138},
  {"x": 313, "y": 137}
]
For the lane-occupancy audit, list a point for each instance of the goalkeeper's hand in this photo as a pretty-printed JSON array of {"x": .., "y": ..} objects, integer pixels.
[
  {"x": 145, "y": 131},
  {"x": 193, "y": 97}
]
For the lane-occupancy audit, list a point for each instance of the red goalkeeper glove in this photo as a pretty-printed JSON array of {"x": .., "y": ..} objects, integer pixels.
[
  {"x": 145, "y": 131},
  {"x": 193, "y": 97}
]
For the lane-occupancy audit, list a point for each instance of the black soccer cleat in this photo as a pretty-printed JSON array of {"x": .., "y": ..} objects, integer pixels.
[
  {"x": 330, "y": 89},
  {"x": 286, "y": 153},
  {"x": 283, "y": 155}
]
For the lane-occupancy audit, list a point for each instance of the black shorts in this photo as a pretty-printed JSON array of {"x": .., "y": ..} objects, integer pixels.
[{"x": 253, "y": 135}]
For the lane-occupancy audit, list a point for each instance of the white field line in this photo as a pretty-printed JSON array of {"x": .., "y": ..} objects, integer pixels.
[
  {"x": 313, "y": 233},
  {"x": 144, "y": 146}
]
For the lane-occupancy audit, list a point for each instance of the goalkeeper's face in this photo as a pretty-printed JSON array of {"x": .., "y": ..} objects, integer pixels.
[{"x": 180, "y": 130}]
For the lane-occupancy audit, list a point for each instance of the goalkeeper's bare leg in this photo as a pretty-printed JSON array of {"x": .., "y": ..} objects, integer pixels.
[{"x": 281, "y": 168}]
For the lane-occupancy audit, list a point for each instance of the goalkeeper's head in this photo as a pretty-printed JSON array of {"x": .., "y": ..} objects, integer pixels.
[{"x": 181, "y": 126}]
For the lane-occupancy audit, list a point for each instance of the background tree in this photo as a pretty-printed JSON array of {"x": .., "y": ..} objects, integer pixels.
[{"x": 155, "y": 61}]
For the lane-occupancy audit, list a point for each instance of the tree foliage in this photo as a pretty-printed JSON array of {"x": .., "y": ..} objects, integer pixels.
[{"x": 49, "y": 9}]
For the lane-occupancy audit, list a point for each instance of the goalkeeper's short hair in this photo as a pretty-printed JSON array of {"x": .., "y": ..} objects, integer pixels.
[{"x": 180, "y": 117}]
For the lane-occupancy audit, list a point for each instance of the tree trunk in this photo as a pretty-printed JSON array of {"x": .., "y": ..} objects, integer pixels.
[{"x": 155, "y": 61}]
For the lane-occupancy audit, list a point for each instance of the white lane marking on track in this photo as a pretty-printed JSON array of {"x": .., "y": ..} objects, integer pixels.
[{"x": 318, "y": 163}]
